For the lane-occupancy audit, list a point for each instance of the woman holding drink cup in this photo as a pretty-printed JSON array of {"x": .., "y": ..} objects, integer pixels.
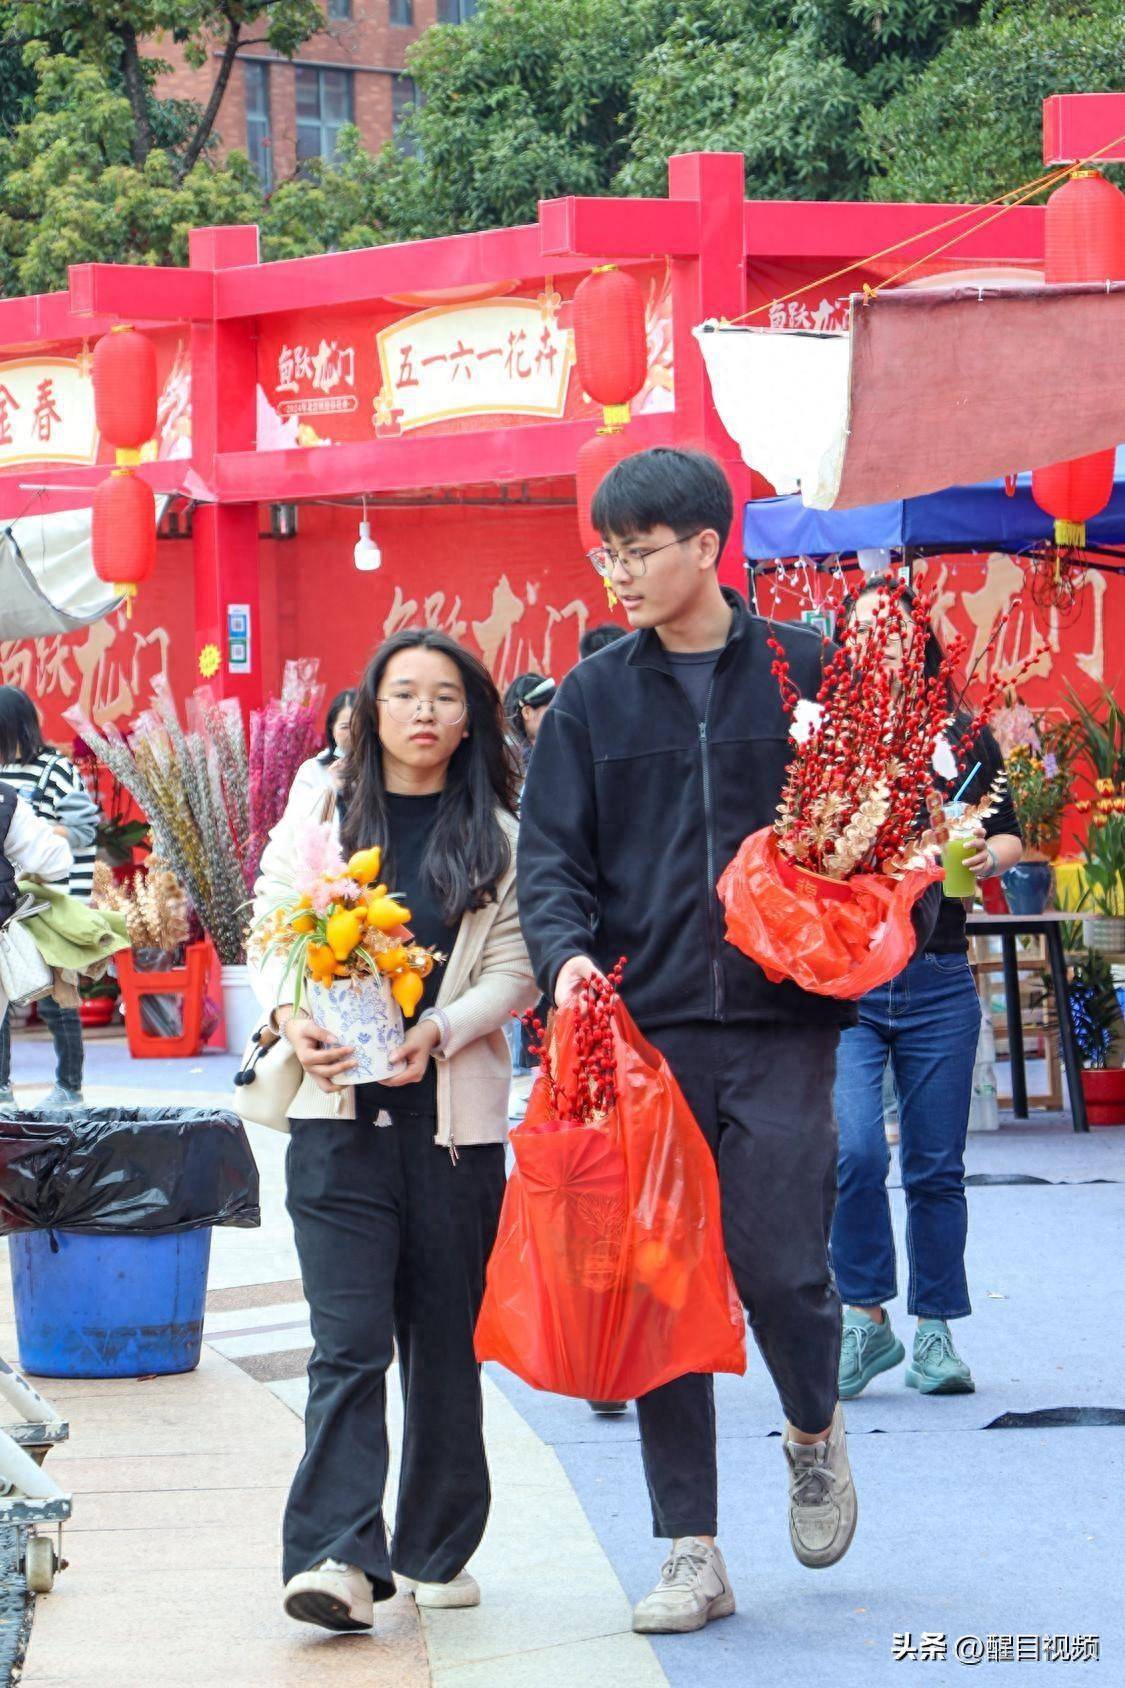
[
  {"x": 925, "y": 1023},
  {"x": 394, "y": 1187}
]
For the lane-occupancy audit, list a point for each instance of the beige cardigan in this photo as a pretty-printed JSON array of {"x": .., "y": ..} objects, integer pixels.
[{"x": 487, "y": 978}]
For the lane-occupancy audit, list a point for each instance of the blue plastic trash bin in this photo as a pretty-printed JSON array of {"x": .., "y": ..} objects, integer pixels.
[{"x": 109, "y": 1306}]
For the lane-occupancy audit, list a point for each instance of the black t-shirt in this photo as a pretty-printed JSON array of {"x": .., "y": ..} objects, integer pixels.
[
  {"x": 949, "y": 936},
  {"x": 411, "y": 820},
  {"x": 695, "y": 670}
]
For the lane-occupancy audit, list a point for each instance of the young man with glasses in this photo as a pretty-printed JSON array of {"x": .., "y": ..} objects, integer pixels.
[{"x": 657, "y": 757}]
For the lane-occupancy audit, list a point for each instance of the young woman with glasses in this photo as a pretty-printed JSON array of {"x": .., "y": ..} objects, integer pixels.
[{"x": 394, "y": 1189}]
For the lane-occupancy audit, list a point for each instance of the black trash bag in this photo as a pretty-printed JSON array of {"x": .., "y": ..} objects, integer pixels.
[{"x": 145, "y": 1170}]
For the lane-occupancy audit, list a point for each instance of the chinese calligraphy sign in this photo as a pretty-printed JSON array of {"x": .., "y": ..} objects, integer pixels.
[
  {"x": 46, "y": 412},
  {"x": 501, "y": 357}
]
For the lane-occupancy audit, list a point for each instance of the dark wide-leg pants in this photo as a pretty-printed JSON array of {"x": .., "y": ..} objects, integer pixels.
[
  {"x": 393, "y": 1237},
  {"x": 762, "y": 1096}
]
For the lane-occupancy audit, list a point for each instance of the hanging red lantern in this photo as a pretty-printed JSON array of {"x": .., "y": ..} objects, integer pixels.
[
  {"x": 1085, "y": 232},
  {"x": 125, "y": 388},
  {"x": 123, "y": 535},
  {"x": 1073, "y": 492},
  {"x": 1085, "y": 241},
  {"x": 595, "y": 459},
  {"x": 610, "y": 340}
]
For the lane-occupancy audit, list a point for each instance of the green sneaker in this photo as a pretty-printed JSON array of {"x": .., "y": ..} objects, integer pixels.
[
  {"x": 867, "y": 1349},
  {"x": 937, "y": 1368}
]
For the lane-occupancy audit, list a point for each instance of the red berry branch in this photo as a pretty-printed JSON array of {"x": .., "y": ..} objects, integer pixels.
[
  {"x": 857, "y": 790},
  {"x": 593, "y": 1091}
]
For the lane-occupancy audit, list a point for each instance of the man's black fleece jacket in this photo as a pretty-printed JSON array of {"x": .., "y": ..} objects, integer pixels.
[{"x": 633, "y": 808}]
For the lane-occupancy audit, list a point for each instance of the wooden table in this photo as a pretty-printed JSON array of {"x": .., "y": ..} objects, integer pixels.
[{"x": 1009, "y": 927}]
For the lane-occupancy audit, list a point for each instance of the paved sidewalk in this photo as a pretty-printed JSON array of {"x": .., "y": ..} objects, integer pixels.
[
  {"x": 179, "y": 1482},
  {"x": 179, "y": 1485}
]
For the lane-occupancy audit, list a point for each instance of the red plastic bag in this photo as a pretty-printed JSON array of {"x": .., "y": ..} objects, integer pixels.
[
  {"x": 832, "y": 937},
  {"x": 609, "y": 1277}
]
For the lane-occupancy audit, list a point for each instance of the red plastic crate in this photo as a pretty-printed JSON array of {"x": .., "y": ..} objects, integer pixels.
[{"x": 188, "y": 981}]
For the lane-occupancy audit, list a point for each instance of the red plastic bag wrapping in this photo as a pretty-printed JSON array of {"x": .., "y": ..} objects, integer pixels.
[
  {"x": 609, "y": 1277},
  {"x": 832, "y": 937}
]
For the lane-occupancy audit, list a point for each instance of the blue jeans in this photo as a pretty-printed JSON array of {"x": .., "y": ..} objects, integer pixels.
[{"x": 926, "y": 1023}]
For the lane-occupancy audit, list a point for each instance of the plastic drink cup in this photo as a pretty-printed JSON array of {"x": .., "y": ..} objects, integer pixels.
[{"x": 959, "y": 882}]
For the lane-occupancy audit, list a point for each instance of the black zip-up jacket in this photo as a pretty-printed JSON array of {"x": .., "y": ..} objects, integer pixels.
[{"x": 633, "y": 808}]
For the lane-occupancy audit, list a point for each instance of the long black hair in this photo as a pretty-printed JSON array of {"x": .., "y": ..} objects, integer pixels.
[
  {"x": 934, "y": 654},
  {"x": 522, "y": 690},
  {"x": 343, "y": 700},
  {"x": 468, "y": 851},
  {"x": 21, "y": 736}
]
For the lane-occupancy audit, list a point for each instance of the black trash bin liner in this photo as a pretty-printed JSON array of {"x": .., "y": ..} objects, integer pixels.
[{"x": 151, "y": 1171}]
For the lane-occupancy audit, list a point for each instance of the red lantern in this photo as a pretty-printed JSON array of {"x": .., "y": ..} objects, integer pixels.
[
  {"x": 124, "y": 531},
  {"x": 125, "y": 390},
  {"x": 595, "y": 459},
  {"x": 610, "y": 340},
  {"x": 1085, "y": 241},
  {"x": 1085, "y": 238}
]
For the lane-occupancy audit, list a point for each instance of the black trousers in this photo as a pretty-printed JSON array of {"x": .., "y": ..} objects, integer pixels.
[
  {"x": 393, "y": 1237},
  {"x": 763, "y": 1098}
]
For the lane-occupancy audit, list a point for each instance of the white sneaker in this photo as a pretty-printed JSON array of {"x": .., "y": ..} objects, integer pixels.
[
  {"x": 461, "y": 1590},
  {"x": 822, "y": 1501},
  {"x": 333, "y": 1595},
  {"x": 693, "y": 1589}
]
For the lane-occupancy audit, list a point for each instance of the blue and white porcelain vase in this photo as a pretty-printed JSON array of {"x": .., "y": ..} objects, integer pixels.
[{"x": 363, "y": 1014}]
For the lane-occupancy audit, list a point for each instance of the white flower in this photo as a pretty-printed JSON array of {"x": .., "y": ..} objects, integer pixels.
[
  {"x": 806, "y": 719},
  {"x": 944, "y": 763}
]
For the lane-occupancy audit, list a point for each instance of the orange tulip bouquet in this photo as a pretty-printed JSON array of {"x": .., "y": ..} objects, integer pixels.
[{"x": 348, "y": 951}]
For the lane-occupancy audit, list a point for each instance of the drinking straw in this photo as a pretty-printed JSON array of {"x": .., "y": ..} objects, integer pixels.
[{"x": 966, "y": 782}]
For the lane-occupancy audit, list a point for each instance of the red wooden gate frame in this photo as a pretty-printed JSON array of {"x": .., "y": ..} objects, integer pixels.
[{"x": 705, "y": 227}]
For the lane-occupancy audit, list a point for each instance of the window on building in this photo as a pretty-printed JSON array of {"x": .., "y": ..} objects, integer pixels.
[
  {"x": 339, "y": 8},
  {"x": 402, "y": 13},
  {"x": 325, "y": 102},
  {"x": 258, "y": 120},
  {"x": 404, "y": 97},
  {"x": 456, "y": 11}
]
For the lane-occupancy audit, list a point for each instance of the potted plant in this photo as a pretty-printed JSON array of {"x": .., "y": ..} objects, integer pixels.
[
  {"x": 1104, "y": 868},
  {"x": 1095, "y": 1014},
  {"x": 98, "y": 1001},
  {"x": 1039, "y": 758},
  {"x": 1099, "y": 736}
]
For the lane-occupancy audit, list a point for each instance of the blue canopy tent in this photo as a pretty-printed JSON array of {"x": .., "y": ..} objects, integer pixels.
[{"x": 984, "y": 517}]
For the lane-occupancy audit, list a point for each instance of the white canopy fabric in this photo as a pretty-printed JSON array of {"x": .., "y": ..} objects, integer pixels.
[
  {"x": 927, "y": 390},
  {"x": 783, "y": 399},
  {"x": 47, "y": 579}
]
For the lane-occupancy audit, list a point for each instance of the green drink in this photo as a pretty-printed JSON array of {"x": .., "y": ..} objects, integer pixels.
[{"x": 959, "y": 882}]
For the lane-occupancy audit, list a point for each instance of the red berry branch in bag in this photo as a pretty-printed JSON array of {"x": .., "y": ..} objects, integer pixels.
[{"x": 593, "y": 1092}]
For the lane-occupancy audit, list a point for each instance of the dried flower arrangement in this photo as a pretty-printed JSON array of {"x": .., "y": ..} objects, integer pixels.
[
  {"x": 156, "y": 911},
  {"x": 192, "y": 787},
  {"x": 210, "y": 804}
]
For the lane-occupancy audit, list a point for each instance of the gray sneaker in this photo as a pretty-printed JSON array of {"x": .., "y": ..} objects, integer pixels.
[
  {"x": 60, "y": 1097},
  {"x": 822, "y": 1503},
  {"x": 693, "y": 1589}
]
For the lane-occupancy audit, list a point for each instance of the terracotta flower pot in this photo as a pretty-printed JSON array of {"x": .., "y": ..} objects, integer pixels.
[{"x": 1105, "y": 1095}]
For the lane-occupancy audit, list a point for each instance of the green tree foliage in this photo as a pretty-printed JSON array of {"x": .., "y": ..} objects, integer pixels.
[
  {"x": 969, "y": 125},
  {"x": 925, "y": 99},
  {"x": 72, "y": 194}
]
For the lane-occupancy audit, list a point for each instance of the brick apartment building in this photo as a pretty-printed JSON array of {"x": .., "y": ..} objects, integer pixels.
[{"x": 280, "y": 111}]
